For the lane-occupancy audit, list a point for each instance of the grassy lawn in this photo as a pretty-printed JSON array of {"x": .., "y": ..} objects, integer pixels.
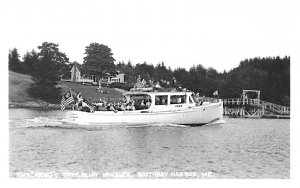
[
  {"x": 18, "y": 84},
  {"x": 90, "y": 92}
]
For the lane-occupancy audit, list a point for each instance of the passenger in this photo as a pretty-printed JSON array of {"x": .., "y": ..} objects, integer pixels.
[
  {"x": 99, "y": 105},
  {"x": 144, "y": 82},
  {"x": 100, "y": 102},
  {"x": 79, "y": 98},
  {"x": 148, "y": 104},
  {"x": 196, "y": 98},
  {"x": 93, "y": 108},
  {"x": 201, "y": 100},
  {"x": 179, "y": 100},
  {"x": 111, "y": 108},
  {"x": 157, "y": 101},
  {"x": 122, "y": 107},
  {"x": 104, "y": 104},
  {"x": 116, "y": 106},
  {"x": 143, "y": 103},
  {"x": 127, "y": 105},
  {"x": 78, "y": 104},
  {"x": 85, "y": 106},
  {"x": 132, "y": 106},
  {"x": 108, "y": 107}
]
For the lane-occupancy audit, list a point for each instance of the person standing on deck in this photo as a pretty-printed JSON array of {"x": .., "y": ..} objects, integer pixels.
[{"x": 79, "y": 101}]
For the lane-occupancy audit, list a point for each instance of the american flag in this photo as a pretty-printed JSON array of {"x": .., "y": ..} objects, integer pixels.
[{"x": 66, "y": 99}]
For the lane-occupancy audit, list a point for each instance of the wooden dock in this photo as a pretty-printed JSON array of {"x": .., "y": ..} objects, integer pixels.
[{"x": 254, "y": 107}]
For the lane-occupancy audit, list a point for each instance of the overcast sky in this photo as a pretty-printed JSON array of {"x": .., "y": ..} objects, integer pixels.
[{"x": 216, "y": 34}]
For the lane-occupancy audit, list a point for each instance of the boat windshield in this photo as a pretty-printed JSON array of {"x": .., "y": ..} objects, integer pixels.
[{"x": 141, "y": 101}]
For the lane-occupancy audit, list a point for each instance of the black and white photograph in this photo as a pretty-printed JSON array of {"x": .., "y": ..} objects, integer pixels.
[{"x": 146, "y": 90}]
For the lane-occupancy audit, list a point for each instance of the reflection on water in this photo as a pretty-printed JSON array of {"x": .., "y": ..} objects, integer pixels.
[{"x": 239, "y": 148}]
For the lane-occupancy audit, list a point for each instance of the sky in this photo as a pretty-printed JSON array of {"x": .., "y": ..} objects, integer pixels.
[
  {"x": 180, "y": 33},
  {"x": 214, "y": 33}
]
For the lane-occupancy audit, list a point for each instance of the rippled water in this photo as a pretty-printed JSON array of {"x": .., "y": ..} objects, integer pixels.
[{"x": 238, "y": 148}]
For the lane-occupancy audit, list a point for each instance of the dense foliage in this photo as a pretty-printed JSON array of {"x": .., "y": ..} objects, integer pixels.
[
  {"x": 14, "y": 62},
  {"x": 270, "y": 75},
  {"x": 98, "y": 60},
  {"x": 45, "y": 66}
]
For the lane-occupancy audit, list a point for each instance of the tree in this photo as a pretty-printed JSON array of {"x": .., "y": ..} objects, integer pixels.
[
  {"x": 130, "y": 72},
  {"x": 51, "y": 60},
  {"x": 145, "y": 71},
  {"x": 30, "y": 60},
  {"x": 211, "y": 72},
  {"x": 47, "y": 66},
  {"x": 232, "y": 87},
  {"x": 14, "y": 63},
  {"x": 182, "y": 77},
  {"x": 162, "y": 73},
  {"x": 46, "y": 90},
  {"x": 98, "y": 60}
]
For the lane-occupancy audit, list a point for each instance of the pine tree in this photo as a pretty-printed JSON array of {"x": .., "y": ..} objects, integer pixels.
[{"x": 14, "y": 63}]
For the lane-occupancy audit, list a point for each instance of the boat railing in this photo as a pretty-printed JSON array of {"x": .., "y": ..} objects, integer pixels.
[
  {"x": 239, "y": 101},
  {"x": 256, "y": 102}
]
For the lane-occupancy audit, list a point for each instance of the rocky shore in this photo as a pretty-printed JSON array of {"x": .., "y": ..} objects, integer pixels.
[{"x": 43, "y": 105}]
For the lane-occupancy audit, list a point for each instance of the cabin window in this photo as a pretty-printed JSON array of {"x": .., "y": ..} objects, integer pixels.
[
  {"x": 141, "y": 102},
  {"x": 161, "y": 100},
  {"x": 178, "y": 99}
]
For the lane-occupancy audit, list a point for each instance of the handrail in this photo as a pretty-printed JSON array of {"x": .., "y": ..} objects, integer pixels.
[{"x": 266, "y": 105}]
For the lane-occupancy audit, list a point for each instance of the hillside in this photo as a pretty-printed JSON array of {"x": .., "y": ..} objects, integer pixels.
[
  {"x": 18, "y": 84},
  {"x": 18, "y": 96}
]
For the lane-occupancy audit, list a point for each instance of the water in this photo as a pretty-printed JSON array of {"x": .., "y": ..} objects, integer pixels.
[{"x": 40, "y": 143}]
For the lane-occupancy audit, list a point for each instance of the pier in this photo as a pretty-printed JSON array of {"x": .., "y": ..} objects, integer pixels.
[{"x": 254, "y": 107}]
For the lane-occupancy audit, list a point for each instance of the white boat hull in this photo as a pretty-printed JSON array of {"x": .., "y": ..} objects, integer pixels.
[{"x": 198, "y": 115}]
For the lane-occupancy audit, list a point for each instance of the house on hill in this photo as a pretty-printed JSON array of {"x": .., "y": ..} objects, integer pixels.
[{"x": 77, "y": 76}]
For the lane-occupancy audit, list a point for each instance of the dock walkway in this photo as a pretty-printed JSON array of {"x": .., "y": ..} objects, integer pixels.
[{"x": 254, "y": 108}]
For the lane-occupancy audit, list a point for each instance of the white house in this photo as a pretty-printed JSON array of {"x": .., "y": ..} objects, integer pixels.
[
  {"x": 118, "y": 78},
  {"x": 76, "y": 76}
]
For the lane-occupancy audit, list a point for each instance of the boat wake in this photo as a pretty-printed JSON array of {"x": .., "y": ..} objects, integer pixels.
[
  {"x": 57, "y": 123},
  {"x": 43, "y": 122},
  {"x": 216, "y": 122},
  {"x": 156, "y": 125}
]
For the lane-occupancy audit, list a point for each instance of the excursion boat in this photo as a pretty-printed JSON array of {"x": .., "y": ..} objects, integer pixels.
[{"x": 154, "y": 107}]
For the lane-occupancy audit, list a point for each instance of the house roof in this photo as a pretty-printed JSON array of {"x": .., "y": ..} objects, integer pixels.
[
  {"x": 74, "y": 66},
  {"x": 85, "y": 72}
]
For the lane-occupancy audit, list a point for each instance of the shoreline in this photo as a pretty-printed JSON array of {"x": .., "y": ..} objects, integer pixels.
[{"x": 41, "y": 105}]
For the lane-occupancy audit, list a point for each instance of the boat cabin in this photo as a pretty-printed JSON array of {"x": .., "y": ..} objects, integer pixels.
[{"x": 160, "y": 101}]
